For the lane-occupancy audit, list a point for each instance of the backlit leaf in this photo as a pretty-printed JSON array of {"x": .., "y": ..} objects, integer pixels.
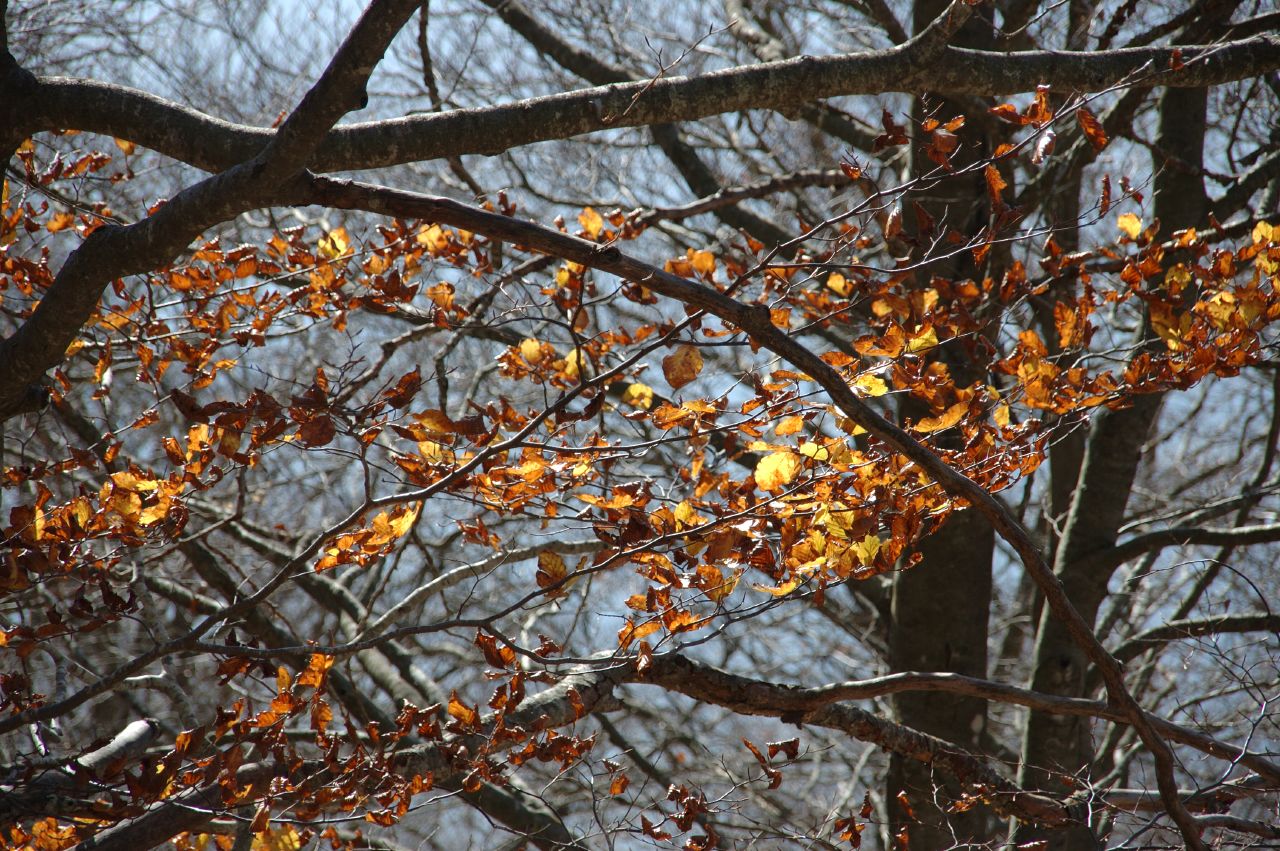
[
  {"x": 638, "y": 395},
  {"x": 777, "y": 469},
  {"x": 947, "y": 419},
  {"x": 1130, "y": 225},
  {"x": 591, "y": 221},
  {"x": 1092, "y": 128},
  {"x": 869, "y": 384}
]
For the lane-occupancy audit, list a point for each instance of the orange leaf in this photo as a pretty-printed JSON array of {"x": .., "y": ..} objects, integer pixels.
[
  {"x": 464, "y": 714},
  {"x": 60, "y": 221},
  {"x": 1092, "y": 128},
  {"x": 682, "y": 366},
  {"x": 948, "y": 418}
]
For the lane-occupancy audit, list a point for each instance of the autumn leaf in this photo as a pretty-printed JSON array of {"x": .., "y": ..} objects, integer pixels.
[
  {"x": 869, "y": 384},
  {"x": 551, "y": 572},
  {"x": 638, "y": 395},
  {"x": 682, "y": 366},
  {"x": 591, "y": 221},
  {"x": 334, "y": 244},
  {"x": 947, "y": 419},
  {"x": 60, "y": 221},
  {"x": 465, "y": 715},
  {"x": 923, "y": 340},
  {"x": 704, "y": 262},
  {"x": 839, "y": 284},
  {"x": 1130, "y": 225},
  {"x": 777, "y": 469},
  {"x": 789, "y": 425},
  {"x": 995, "y": 185},
  {"x": 1092, "y": 128},
  {"x": 434, "y": 238},
  {"x": 1044, "y": 147}
]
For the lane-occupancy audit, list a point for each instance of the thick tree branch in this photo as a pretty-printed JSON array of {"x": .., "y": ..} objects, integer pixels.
[
  {"x": 212, "y": 144},
  {"x": 113, "y": 251}
]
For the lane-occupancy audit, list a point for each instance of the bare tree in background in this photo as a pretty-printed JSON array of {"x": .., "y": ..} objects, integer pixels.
[{"x": 471, "y": 424}]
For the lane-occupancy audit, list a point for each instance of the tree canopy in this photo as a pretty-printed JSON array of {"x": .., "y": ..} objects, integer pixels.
[{"x": 468, "y": 424}]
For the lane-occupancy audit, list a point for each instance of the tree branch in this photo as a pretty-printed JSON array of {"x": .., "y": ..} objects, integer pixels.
[
  {"x": 1107, "y": 560},
  {"x": 212, "y": 144},
  {"x": 1194, "y": 628},
  {"x": 756, "y": 321}
]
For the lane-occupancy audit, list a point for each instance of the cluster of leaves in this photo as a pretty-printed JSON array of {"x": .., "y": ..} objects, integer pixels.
[{"x": 775, "y": 484}]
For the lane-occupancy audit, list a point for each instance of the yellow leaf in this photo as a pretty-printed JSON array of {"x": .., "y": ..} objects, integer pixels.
[
  {"x": 873, "y": 385},
  {"x": 1001, "y": 415},
  {"x": 282, "y": 838},
  {"x": 781, "y": 590},
  {"x": 591, "y": 222},
  {"x": 389, "y": 527},
  {"x": 682, "y": 366},
  {"x": 926, "y": 339},
  {"x": 1130, "y": 225},
  {"x": 638, "y": 396},
  {"x": 777, "y": 469},
  {"x": 949, "y": 417},
  {"x": 1263, "y": 232},
  {"x": 433, "y": 237},
  {"x": 573, "y": 363},
  {"x": 531, "y": 350},
  {"x": 334, "y": 244},
  {"x": 866, "y": 549},
  {"x": 126, "y": 146},
  {"x": 809, "y": 449},
  {"x": 839, "y": 285}
]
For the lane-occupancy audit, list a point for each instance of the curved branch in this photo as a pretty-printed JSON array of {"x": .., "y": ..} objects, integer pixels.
[
  {"x": 212, "y": 144},
  {"x": 1195, "y": 628},
  {"x": 1111, "y": 558}
]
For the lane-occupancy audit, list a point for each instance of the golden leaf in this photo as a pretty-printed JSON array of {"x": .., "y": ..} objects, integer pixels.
[
  {"x": 60, "y": 221},
  {"x": 873, "y": 385},
  {"x": 334, "y": 244},
  {"x": 1130, "y": 225},
  {"x": 433, "y": 237},
  {"x": 809, "y": 449},
  {"x": 591, "y": 222},
  {"x": 789, "y": 425},
  {"x": 866, "y": 549},
  {"x": 839, "y": 284},
  {"x": 704, "y": 262},
  {"x": 638, "y": 396},
  {"x": 777, "y": 469},
  {"x": 949, "y": 417},
  {"x": 530, "y": 350},
  {"x": 926, "y": 339}
]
